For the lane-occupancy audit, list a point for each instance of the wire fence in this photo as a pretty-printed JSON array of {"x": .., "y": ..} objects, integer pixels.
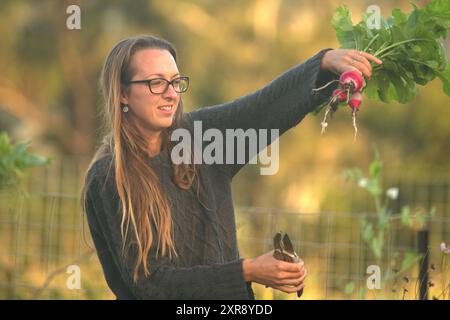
[
  {"x": 42, "y": 235},
  {"x": 332, "y": 245}
]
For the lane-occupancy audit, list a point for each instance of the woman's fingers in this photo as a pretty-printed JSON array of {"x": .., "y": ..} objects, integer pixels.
[
  {"x": 340, "y": 60},
  {"x": 360, "y": 60},
  {"x": 290, "y": 275},
  {"x": 291, "y": 278},
  {"x": 366, "y": 72},
  {"x": 303, "y": 277},
  {"x": 293, "y": 281},
  {"x": 370, "y": 57},
  {"x": 288, "y": 289},
  {"x": 291, "y": 267}
]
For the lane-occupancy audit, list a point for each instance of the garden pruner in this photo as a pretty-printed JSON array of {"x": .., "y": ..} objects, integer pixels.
[{"x": 284, "y": 251}]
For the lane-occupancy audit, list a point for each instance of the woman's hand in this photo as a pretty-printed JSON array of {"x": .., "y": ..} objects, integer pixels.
[
  {"x": 340, "y": 60},
  {"x": 284, "y": 276}
]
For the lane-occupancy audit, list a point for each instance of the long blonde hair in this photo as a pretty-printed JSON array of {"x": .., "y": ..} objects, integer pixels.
[{"x": 142, "y": 201}]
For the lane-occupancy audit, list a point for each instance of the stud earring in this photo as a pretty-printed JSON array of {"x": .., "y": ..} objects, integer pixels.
[{"x": 125, "y": 108}]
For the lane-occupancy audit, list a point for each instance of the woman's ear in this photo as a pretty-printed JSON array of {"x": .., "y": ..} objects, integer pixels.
[{"x": 124, "y": 95}]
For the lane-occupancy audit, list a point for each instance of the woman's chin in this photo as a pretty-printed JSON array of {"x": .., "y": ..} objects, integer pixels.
[
  {"x": 163, "y": 124},
  {"x": 166, "y": 123}
]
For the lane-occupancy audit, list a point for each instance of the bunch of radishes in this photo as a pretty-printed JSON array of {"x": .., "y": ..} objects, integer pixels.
[{"x": 351, "y": 84}]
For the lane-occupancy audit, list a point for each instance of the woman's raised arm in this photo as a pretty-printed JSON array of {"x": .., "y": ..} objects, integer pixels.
[{"x": 281, "y": 104}]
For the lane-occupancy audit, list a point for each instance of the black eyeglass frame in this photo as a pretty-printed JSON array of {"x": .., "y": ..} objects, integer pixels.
[{"x": 148, "y": 82}]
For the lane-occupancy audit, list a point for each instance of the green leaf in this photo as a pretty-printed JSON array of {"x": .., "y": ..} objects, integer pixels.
[
  {"x": 372, "y": 88},
  {"x": 29, "y": 160},
  {"x": 5, "y": 146},
  {"x": 445, "y": 78},
  {"x": 368, "y": 232},
  {"x": 375, "y": 168},
  {"x": 433, "y": 212},
  {"x": 15, "y": 161},
  {"x": 362, "y": 293},
  {"x": 421, "y": 71},
  {"x": 374, "y": 188},
  {"x": 399, "y": 18},
  {"x": 406, "y": 216},
  {"x": 349, "y": 288},
  {"x": 342, "y": 24},
  {"x": 409, "y": 260},
  {"x": 439, "y": 11},
  {"x": 342, "y": 19},
  {"x": 384, "y": 88},
  {"x": 377, "y": 246},
  {"x": 383, "y": 220}
]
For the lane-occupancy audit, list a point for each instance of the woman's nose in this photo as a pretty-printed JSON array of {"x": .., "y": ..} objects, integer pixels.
[{"x": 170, "y": 92}]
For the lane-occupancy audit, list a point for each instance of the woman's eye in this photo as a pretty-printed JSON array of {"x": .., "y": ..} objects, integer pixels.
[{"x": 157, "y": 83}]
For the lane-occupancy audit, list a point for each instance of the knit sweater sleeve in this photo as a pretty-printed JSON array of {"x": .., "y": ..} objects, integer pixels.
[
  {"x": 167, "y": 280},
  {"x": 281, "y": 104}
]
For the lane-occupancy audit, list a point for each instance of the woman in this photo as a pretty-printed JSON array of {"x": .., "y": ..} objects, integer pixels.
[{"x": 167, "y": 231}]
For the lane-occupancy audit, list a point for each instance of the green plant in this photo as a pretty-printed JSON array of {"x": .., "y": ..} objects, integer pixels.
[
  {"x": 15, "y": 161},
  {"x": 375, "y": 231},
  {"x": 409, "y": 44},
  {"x": 445, "y": 266}
]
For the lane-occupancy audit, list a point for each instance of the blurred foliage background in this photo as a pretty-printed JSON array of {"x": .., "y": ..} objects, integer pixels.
[{"x": 49, "y": 94}]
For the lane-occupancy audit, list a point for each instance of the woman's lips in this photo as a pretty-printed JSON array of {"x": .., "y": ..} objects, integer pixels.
[{"x": 166, "y": 110}]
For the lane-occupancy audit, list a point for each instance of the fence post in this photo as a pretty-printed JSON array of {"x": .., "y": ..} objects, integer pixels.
[{"x": 423, "y": 271}]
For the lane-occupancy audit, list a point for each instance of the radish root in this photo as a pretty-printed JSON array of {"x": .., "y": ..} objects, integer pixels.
[
  {"x": 323, "y": 87},
  {"x": 351, "y": 85},
  {"x": 324, "y": 123},
  {"x": 354, "y": 123}
]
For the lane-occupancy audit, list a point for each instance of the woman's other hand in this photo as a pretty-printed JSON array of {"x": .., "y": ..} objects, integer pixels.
[{"x": 284, "y": 276}]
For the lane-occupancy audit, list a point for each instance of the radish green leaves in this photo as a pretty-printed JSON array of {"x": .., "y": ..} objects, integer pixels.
[{"x": 409, "y": 44}]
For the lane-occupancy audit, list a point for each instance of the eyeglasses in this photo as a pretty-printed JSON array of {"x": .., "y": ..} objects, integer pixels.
[{"x": 160, "y": 85}]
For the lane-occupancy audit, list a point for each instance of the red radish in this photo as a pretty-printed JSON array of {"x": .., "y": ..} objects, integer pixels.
[
  {"x": 355, "y": 101},
  {"x": 352, "y": 80},
  {"x": 340, "y": 94},
  {"x": 351, "y": 84}
]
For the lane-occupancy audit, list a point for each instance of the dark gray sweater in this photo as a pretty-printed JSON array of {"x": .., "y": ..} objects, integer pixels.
[{"x": 209, "y": 265}]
